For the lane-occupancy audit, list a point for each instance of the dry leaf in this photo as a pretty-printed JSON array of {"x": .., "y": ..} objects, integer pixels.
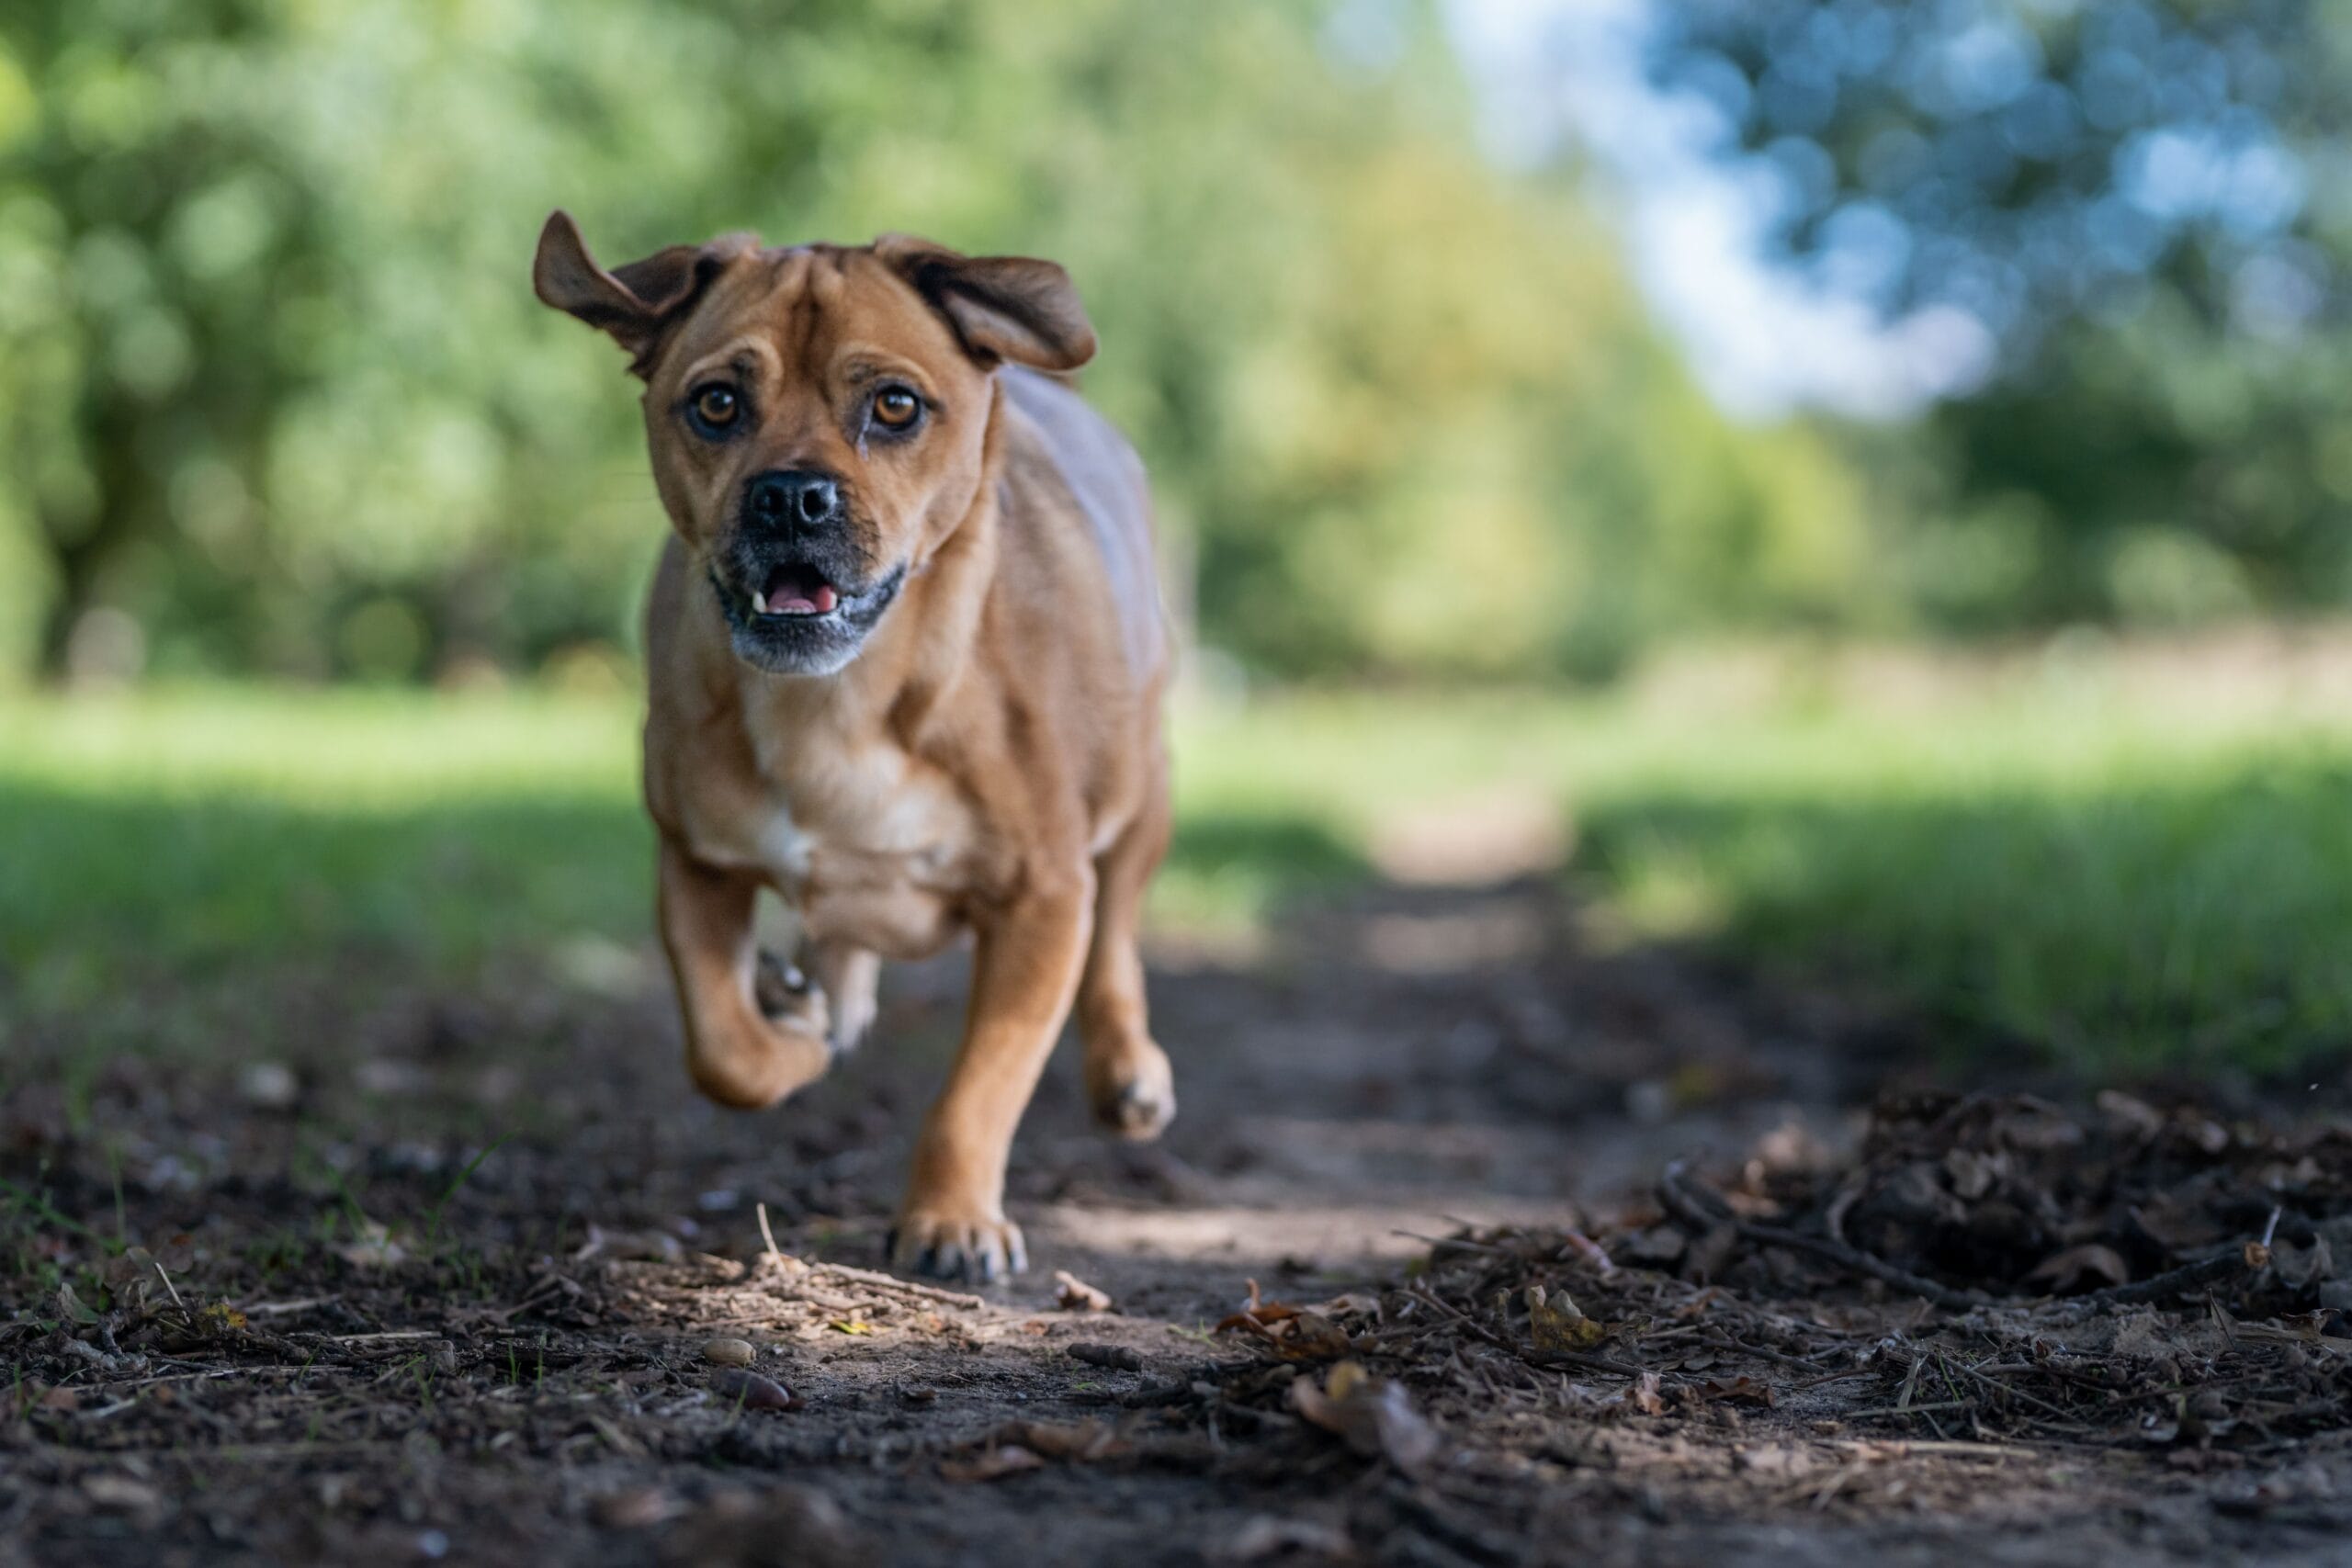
[
  {"x": 1374, "y": 1416},
  {"x": 1074, "y": 1294},
  {"x": 1294, "y": 1333},
  {"x": 2087, "y": 1267},
  {"x": 1741, "y": 1389},
  {"x": 994, "y": 1464},
  {"x": 1645, "y": 1397},
  {"x": 1558, "y": 1323},
  {"x": 1081, "y": 1441}
]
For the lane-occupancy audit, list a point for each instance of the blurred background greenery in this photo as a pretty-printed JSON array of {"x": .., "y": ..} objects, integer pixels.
[
  {"x": 275, "y": 399},
  {"x": 1516, "y": 343}
]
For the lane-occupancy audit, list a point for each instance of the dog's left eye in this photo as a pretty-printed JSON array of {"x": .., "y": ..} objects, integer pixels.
[
  {"x": 896, "y": 408},
  {"x": 717, "y": 407}
]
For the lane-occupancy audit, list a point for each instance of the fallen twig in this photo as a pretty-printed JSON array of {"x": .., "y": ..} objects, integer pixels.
[
  {"x": 905, "y": 1287},
  {"x": 1722, "y": 1341},
  {"x": 1685, "y": 1205},
  {"x": 1899, "y": 1447},
  {"x": 2187, "y": 1277}
]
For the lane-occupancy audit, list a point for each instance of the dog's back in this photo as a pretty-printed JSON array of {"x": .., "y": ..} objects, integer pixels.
[{"x": 1105, "y": 482}]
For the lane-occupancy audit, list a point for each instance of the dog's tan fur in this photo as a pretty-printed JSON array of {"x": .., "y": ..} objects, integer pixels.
[{"x": 989, "y": 760}]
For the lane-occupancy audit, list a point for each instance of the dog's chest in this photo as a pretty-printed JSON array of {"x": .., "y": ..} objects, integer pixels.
[{"x": 872, "y": 847}]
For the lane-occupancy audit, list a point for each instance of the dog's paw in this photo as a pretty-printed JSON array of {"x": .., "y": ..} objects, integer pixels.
[
  {"x": 947, "y": 1244},
  {"x": 1134, "y": 1095}
]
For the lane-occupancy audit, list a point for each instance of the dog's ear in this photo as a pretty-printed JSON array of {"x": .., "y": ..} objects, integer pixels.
[
  {"x": 632, "y": 302},
  {"x": 1013, "y": 307}
]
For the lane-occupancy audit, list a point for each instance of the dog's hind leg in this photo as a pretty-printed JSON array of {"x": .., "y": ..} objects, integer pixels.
[{"x": 1128, "y": 1080}]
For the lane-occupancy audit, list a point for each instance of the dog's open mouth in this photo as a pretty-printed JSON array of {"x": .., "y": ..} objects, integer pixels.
[
  {"x": 795, "y": 590},
  {"x": 796, "y": 617}
]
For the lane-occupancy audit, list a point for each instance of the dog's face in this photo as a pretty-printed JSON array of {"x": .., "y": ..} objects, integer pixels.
[{"x": 818, "y": 416}]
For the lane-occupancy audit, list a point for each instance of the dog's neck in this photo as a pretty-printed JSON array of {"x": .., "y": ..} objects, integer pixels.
[{"x": 925, "y": 642}]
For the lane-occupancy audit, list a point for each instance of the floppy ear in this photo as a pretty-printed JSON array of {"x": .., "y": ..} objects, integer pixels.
[
  {"x": 1013, "y": 307},
  {"x": 632, "y": 302}
]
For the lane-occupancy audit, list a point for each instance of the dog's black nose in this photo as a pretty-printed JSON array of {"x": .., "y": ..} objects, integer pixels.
[{"x": 788, "y": 498}]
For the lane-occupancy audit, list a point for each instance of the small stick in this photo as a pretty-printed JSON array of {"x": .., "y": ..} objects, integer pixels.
[
  {"x": 183, "y": 1305},
  {"x": 1464, "y": 1243},
  {"x": 768, "y": 1235},
  {"x": 1899, "y": 1447},
  {"x": 1685, "y": 1206},
  {"x": 280, "y": 1309},
  {"x": 1911, "y": 1409},
  {"x": 892, "y": 1282},
  {"x": 1726, "y": 1342},
  {"x": 2187, "y": 1277}
]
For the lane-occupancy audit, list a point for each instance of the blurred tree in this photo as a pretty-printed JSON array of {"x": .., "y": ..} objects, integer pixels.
[
  {"x": 2147, "y": 202},
  {"x": 275, "y": 396}
]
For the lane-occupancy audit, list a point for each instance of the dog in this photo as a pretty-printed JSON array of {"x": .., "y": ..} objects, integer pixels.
[{"x": 905, "y": 656}]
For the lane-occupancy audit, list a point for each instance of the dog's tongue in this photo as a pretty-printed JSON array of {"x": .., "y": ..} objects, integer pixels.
[{"x": 788, "y": 594}]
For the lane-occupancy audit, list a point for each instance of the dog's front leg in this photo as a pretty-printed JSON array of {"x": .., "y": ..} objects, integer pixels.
[
  {"x": 736, "y": 1053},
  {"x": 1025, "y": 972}
]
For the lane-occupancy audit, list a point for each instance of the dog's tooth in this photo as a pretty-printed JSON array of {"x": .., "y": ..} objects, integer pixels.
[{"x": 760, "y": 601}]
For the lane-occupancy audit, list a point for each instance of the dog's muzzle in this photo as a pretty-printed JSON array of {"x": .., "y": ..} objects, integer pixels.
[{"x": 797, "y": 584}]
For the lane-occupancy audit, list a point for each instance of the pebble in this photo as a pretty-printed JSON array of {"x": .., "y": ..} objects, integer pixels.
[
  {"x": 729, "y": 1353},
  {"x": 751, "y": 1391},
  {"x": 269, "y": 1086},
  {"x": 1118, "y": 1357}
]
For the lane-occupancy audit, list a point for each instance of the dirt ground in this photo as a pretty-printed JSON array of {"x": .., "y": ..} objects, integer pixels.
[{"x": 306, "y": 1317}]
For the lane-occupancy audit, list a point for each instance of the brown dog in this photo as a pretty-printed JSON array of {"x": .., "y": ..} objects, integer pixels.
[{"x": 906, "y": 655}]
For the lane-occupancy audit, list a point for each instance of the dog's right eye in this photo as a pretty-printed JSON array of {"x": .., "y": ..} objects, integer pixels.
[{"x": 716, "y": 407}]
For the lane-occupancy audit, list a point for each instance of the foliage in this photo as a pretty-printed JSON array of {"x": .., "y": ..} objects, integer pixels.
[
  {"x": 2145, "y": 202},
  {"x": 275, "y": 395}
]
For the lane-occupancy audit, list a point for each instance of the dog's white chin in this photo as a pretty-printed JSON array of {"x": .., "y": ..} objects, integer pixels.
[{"x": 830, "y": 658}]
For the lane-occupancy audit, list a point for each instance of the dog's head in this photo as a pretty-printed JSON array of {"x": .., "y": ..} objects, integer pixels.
[{"x": 818, "y": 415}]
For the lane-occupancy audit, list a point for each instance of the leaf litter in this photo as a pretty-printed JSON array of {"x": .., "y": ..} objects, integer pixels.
[{"x": 1993, "y": 1308}]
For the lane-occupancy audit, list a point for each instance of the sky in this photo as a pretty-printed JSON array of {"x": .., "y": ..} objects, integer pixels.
[{"x": 1762, "y": 339}]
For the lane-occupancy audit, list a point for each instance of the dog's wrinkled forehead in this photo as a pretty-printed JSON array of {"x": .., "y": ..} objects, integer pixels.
[{"x": 794, "y": 316}]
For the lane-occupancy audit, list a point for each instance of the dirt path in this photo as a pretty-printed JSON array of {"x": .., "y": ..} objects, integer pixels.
[{"x": 318, "y": 1352}]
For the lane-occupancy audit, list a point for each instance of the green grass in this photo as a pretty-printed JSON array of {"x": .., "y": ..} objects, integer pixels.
[{"x": 2115, "y": 875}]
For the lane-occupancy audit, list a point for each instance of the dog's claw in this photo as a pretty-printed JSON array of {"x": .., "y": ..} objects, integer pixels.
[{"x": 983, "y": 1250}]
